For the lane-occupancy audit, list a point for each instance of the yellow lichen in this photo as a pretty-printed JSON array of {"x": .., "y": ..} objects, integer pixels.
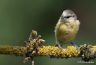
[{"x": 70, "y": 51}]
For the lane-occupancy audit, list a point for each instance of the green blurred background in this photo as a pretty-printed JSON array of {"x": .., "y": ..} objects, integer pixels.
[{"x": 19, "y": 17}]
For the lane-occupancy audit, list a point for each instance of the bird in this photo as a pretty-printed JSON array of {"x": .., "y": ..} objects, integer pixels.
[{"x": 66, "y": 28}]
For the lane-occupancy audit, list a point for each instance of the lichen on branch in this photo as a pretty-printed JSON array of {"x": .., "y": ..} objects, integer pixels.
[
  {"x": 13, "y": 50},
  {"x": 52, "y": 51},
  {"x": 68, "y": 52}
]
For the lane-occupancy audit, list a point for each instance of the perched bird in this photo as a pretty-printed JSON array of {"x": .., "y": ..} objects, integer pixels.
[{"x": 66, "y": 28}]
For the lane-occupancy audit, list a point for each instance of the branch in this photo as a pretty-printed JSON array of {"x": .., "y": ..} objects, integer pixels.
[
  {"x": 70, "y": 51},
  {"x": 13, "y": 50},
  {"x": 34, "y": 47},
  {"x": 52, "y": 51}
]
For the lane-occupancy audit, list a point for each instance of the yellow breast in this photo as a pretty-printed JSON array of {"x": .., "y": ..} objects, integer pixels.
[{"x": 66, "y": 32}]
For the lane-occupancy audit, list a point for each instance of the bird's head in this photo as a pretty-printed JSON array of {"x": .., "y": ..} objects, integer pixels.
[{"x": 68, "y": 15}]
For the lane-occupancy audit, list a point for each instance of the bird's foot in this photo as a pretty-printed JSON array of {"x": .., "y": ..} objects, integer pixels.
[
  {"x": 74, "y": 44},
  {"x": 58, "y": 45}
]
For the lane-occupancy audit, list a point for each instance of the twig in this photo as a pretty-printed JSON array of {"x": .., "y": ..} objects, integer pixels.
[
  {"x": 13, "y": 50},
  {"x": 56, "y": 52}
]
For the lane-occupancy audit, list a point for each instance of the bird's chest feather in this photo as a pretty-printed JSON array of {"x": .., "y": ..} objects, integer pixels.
[{"x": 67, "y": 31}]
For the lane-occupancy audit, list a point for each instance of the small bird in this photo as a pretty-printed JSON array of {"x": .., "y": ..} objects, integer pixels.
[{"x": 66, "y": 28}]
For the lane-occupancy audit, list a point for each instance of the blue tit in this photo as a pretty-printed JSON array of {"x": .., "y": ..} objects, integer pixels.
[{"x": 66, "y": 28}]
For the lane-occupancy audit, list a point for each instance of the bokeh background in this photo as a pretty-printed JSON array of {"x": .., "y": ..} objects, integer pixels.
[{"x": 19, "y": 17}]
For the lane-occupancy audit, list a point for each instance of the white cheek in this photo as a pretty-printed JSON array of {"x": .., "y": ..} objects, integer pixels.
[{"x": 71, "y": 20}]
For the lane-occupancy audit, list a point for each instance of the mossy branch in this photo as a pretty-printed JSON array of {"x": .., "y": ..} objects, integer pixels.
[
  {"x": 13, "y": 50},
  {"x": 51, "y": 51},
  {"x": 34, "y": 47},
  {"x": 70, "y": 51}
]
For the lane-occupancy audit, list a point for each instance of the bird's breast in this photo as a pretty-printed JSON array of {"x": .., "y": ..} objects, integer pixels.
[{"x": 67, "y": 31}]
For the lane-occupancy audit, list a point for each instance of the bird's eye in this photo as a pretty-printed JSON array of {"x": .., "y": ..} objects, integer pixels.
[{"x": 67, "y": 16}]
